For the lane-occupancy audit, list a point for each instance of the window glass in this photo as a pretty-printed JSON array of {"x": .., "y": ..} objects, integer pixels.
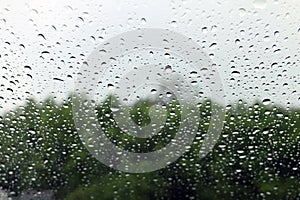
[{"x": 153, "y": 99}]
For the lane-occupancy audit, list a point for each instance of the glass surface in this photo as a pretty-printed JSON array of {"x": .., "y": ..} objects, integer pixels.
[{"x": 140, "y": 99}]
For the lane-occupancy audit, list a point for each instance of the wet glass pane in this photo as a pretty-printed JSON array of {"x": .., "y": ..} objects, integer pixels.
[{"x": 149, "y": 99}]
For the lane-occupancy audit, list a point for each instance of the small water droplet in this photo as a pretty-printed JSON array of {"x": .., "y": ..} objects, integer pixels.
[
  {"x": 193, "y": 74},
  {"x": 114, "y": 109},
  {"x": 242, "y": 12},
  {"x": 213, "y": 45},
  {"x": 144, "y": 21},
  {"x": 213, "y": 28},
  {"x": 153, "y": 91},
  {"x": 174, "y": 24},
  {"x": 110, "y": 86},
  {"x": 45, "y": 54},
  {"x": 168, "y": 69},
  {"x": 42, "y": 36},
  {"x": 193, "y": 83}
]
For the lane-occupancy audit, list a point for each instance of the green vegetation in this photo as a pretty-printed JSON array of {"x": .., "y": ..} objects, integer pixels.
[{"x": 257, "y": 155}]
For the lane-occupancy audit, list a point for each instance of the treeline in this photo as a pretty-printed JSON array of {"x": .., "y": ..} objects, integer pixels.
[{"x": 257, "y": 155}]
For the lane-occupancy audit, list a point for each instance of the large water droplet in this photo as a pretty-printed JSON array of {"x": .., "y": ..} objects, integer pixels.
[{"x": 266, "y": 102}]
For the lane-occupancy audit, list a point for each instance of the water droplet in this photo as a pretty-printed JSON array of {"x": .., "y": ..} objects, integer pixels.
[
  {"x": 193, "y": 74},
  {"x": 144, "y": 21},
  {"x": 45, "y": 54},
  {"x": 193, "y": 83},
  {"x": 235, "y": 73},
  {"x": 27, "y": 67},
  {"x": 213, "y": 28},
  {"x": 153, "y": 91},
  {"x": 110, "y": 86},
  {"x": 168, "y": 69},
  {"x": 266, "y": 102},
  {"x": 58, "y": 79},
  {"x": 42, "y": 36},
  {"x": 242, "y": 12},
  {"x": 213, "y": 45},
  {"x": 130, "y": 20},
  {"x": 114, "y": 109},
  {"x": 174, "y": 24}
]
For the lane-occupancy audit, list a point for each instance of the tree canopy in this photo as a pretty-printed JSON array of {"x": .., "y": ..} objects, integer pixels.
[{"x": 257, "y": 155}]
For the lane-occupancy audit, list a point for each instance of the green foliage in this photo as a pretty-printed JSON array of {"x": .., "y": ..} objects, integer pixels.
[{"x": 256, "y": 157}]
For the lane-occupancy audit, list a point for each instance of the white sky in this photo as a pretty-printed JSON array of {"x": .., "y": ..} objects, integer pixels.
[{"x": 250, "y": 35}]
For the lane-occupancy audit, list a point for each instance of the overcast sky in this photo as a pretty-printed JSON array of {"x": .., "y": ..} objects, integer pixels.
[{"x": 255, "y": 44}]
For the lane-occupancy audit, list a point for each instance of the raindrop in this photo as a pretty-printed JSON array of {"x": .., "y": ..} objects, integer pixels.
[
  {"x": 204, "y": 30},
  {"x": 110, "y": 86},
  {"x": 42, "y": 36},
  {"x": 237, "y": 42},
  {"x": 168, "y": 69},
  {"x": 167, "y": 55},
  {"x": 266, "y": 102},
  {"x": 235, "y": 73},
  {"x": 174, "y": 24},
  {"x": 58, "y": 79},
  {"x": 27, "y": 67},
  {"x": 213, "y": 28},
  {"x": 242, "y": 12},
  {"x": 45, "y": 53},
  {"x": 213, "y": 45},
  {"x": 193, "y": 74},
  {"x": 143, "y": 20},
  {"x": 130, "y": 20},
  {"x": 193, "y": 83},
  {"x": 153, "y": 91}
]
